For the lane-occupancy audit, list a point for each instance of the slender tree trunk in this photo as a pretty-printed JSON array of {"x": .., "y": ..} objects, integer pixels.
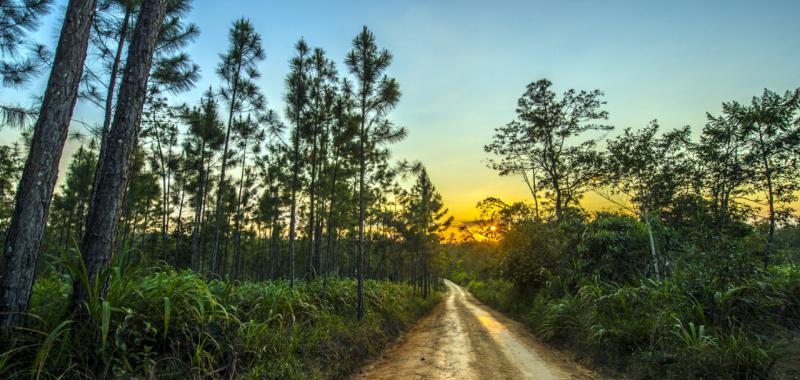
[
  {"x": 653, "y": 251},
  {"x": 557, "y": 190},
  {"x": 216, "y": 259},
  {"x": 114, "y": 166},
  {"x": 535, "y": 194},
  {"x": 238, "y": 226},
  {"x": 293, "y": 211},
  {"x": 179, "y": 227},
  {"x": 362, "y": 170},
  {"x": 198, "y": 211},
  {"x": 331, "y": 203},
  {"x": 35, "y": 190},
  {"x": 771, "y": 202},
  {"x": 311, "y": 210},
  {"x": 112, "y": 80},
  {"x": 273, "y": 248},
  {"x": 164, "y": 197}
]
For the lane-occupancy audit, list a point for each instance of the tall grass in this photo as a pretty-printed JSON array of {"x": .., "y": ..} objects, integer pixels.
[
  {"x": 163, "y": 323},
  {"x": 666, "y": 330}
]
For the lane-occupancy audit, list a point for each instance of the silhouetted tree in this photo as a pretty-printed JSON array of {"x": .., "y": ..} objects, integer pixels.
[{"x": 544, "y": 133}]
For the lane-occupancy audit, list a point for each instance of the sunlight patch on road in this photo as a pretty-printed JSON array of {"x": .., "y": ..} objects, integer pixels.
[
  {"x": 491, "y": 324},
  {"x": 517, "y": 352}
]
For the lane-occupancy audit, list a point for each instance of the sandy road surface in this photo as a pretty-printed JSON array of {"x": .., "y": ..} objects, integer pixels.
[{"x": 464, "y": 340}]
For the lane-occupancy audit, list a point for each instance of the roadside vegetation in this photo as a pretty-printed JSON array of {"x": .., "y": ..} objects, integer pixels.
[
  {"x": 693, "y": 275},
  {"x": 163, "y": 323}
]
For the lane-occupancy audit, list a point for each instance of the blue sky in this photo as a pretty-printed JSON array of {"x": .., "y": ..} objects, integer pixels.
[{"x": 461, "y": 65}]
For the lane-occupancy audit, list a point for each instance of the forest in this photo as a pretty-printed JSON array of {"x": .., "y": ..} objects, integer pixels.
[
  {"x": 233, "y": 236},
  {"x": 202, "y": 240}
]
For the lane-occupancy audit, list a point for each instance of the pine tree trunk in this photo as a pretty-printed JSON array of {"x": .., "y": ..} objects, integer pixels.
[
  {"x": 112, "y": 80},
  {"x": 273, "y": 250},
  {"x": 293, "y": 211},
  {"x": 35, "y": 189},
  {"x": 216, "y": 260},
  {"x": 237, "y": 233},
  {"x": 198, "y": 212},
  {"x": 331, "y": 225},
  {"x": 362, "y": 170},
  {"x": 179, "y": 227},
  {"x": 114, "y": 166},
  {"x": 771, "y": 209},
  {"x": 311, "y": 270}
]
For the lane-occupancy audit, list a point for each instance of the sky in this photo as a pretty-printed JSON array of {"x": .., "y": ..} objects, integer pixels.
[{"x": 461, "y": 65}]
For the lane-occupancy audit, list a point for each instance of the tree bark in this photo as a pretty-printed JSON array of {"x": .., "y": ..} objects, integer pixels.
[
  {"x": 114, "y": 166},
  {"x": 311, "y": 270},
  {"x": 35, "y": 189},
  {"x": 198, "y": 211},
  {"x": 362, "y": 169},
  {"x": 653, "y": 251},
  {"x": 771, "y": 203},
  {"x": 293, "y": 211},
  {"x": 216, "y": 260},
  {"x": 112, "y": 80},
  {"x": 237, "y": 233},
  {"x": 331, "y": 225}
]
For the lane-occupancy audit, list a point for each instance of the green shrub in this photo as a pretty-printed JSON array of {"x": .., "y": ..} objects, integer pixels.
[{"x": 615, "y": 248}]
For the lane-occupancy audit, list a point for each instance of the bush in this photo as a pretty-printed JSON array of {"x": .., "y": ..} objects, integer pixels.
[
  {"x": 534, "y": 255},
  {"x": 615, "y": 248}
]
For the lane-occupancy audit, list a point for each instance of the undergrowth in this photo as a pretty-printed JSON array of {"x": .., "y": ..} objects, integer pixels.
[
  {"x": 661, "y": 330},
  {"x": 167, "y": 324},
  {"x": 664, "y": 329}
]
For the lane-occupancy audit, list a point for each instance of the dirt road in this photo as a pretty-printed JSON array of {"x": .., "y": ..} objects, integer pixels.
[{"x": 464, "y": 340}]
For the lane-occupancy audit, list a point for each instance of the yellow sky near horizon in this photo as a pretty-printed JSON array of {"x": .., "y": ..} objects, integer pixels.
[{"x": 462, "y": 66}]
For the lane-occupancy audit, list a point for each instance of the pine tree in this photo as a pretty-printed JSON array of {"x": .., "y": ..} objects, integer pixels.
[
  {"x": 172, "y": 70},
  {"x": 113, "y": 169},
  {"x": 35, "y": 189},
  {"x": 376, "y": 94},
  {"x": 238, "y": 71},
  {"x": 297, "y": 100},
  {"x": 205, "y": 140},
  {"x": 18, "y": 19}
]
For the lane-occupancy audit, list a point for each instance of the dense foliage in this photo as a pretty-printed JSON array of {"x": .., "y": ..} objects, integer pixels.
[
  {"x": 164, "y": 323},
  {"x": 694, "y": 276},
  {"x": 583, "y": 288}
]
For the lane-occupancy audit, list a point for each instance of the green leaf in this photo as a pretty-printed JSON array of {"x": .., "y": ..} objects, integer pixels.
[
  {"x": 167, "y": 314},
  {"x": 106, "y": 322},
  {"x": 44, "y": 349}
]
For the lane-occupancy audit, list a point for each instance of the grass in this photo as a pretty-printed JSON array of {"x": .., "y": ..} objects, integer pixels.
[
  {"x": 162, "y": 323},
  {"x": 667, "y": 330}
]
